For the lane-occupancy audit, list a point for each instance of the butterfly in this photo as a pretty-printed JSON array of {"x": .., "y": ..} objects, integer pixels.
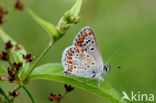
[{"x": 83, "y": 58}]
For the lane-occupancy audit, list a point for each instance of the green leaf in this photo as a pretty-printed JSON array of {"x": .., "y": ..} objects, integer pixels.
[
  {"x": 17, "y": 54},
  {"x": 4, "y": 94},
  {"x": 2, "y": 70},
  {"x": 56, "y": 72},
  {"x": 50, "y": 28},
  {"x": 76, "y": 8}
]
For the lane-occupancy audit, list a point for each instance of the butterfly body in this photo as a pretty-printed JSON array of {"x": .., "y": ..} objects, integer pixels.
[{"x": 83, "y": 58}]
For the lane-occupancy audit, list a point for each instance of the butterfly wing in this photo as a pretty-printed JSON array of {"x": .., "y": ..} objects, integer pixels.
[
  {"x": 87, "y": 41},
  {"x": 84, "y": 58},
  {"x": 78, "y": 62}
]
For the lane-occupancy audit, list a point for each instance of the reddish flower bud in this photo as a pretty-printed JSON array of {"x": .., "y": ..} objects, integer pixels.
[
  {"x": 10, "y": 71},
  {"x": 8, "y": 45},
  {"x": 3, "y": 12},
  {"x": 14, "y": 93},
  {"x": 68, "y": 88},
  {"x": 4, "y": 56},
  {"x": 54, "y": 97},
  {"x": 17, "y": 66},
  {"x": 28, "y": 58},
  {"x": 17, "y": 47},
  {"x": 1, "y": 78},
  {"x": 1, "y": 19},
  {"x": 12, "y": 75},
  {"x": 19, "y": 5}
]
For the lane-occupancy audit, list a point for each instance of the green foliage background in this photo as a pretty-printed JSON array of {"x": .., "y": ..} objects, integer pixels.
[{"x": 126, "y": 27}]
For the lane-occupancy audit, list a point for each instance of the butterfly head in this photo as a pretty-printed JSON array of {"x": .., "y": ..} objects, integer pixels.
[{"x": 107, "y": 68}]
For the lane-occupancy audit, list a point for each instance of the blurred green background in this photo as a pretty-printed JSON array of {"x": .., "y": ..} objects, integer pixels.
[{"x": 124, "y": 26}]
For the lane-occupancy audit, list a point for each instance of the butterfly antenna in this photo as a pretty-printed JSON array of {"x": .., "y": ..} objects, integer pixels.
[
  {"x": 111, "y": 58},
  {"x": 118, "y": 67}
]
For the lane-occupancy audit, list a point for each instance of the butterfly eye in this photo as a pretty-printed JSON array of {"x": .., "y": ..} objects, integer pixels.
[
  {"x": 92, "y": 42},
  {"x": 107, "y": 68}
]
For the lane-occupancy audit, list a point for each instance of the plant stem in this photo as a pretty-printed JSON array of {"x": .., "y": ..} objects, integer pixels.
[
  {"x": 6, "y": 81},
  {"x": 11, "y": 63},
  {"x": 64, "y": 95},
  {"x": 8, "y": 99},
  {"x": 40, "y": 57},
  {"x": 29, "y": 94}
]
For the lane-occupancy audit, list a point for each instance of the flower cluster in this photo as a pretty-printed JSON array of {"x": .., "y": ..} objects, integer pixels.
[
  {"x": 14, "y": 67},
  {"x": 17, "y": 66},
  {"x": 28, "y": 58},
  {"x": 12, "y": 76},
  {"x": 4, "y": 56},
  {"x": 68, "y": 88},
  {"x": 18, "y": 5},
  {"x": 14, "y": 93},
  {"x": 13, "y": 70},
  {"x": 57, "y": 98},
  {"x": 8, "y": 45},
  {"x": 54, "y": 97},
  {"x": 2, "y": 14}
]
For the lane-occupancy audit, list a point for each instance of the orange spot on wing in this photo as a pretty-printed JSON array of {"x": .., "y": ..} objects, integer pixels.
[
  {"x": 81, "y": 50},
  {"x": 70, "y": 54},
  {"x": 70, "y": 68},
  {"x": 85, "y": 34},
  {"x": 81, "y": 40},
  {"x": 79, "y": 44},
  {"x": 69, "y": 62},
  {"x": 72, "y": 51},
  {"x": 77, "y": 50},
  {"x": 69, "y": 57},
  {"x": 89, "y": 33}
]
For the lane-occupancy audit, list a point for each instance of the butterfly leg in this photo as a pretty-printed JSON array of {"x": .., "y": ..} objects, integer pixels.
[
  {"x": 86, "y": 81},
  {"x": 93, "y": 76},
  {"x": 101, "y": 80}
]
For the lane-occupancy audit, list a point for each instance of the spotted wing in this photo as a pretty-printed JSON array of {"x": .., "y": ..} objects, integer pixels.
[
  {"x": 87, "y": 41},
  {"x": 78, "y": 62}
]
